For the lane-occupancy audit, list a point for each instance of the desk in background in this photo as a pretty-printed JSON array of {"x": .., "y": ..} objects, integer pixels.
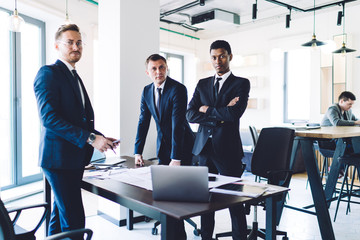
[{"x": 322, "y": 198}]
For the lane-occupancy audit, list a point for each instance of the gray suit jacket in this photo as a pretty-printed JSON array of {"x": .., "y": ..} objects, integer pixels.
[{"x": 333, "y": 117}]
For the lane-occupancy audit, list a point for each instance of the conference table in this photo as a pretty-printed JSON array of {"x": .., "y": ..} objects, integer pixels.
[
  {"x": 169, "y": 213},
  {"x": 322, "y": 197}
]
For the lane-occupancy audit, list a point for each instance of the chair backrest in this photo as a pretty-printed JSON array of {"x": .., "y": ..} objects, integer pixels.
[
  {"x": 6, "y": 227},
  {"x": 254, "y": 135},
  {"x": 272, "y": 151}
]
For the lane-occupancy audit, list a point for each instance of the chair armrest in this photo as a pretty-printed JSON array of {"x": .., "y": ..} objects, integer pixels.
[
  {"x": 18, "y": 211},
  {"x": 73, "y": 233}
]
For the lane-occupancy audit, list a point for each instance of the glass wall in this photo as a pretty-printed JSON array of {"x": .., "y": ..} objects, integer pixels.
[{"x": 21, "y": 56}]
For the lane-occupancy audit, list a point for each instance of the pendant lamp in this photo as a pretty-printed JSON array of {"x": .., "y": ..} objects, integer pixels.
[
  {"x": 344, "y": 49},
  {"x": 67, "y": 19},
  {"x": 313, "y": 42},
  {"x": 15, "y": 21}
]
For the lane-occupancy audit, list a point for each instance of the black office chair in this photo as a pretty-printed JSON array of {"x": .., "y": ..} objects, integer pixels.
[
  {"x": 255, "y": 137},
  {"x": 348, "y": 161},
  {"x": 8, "y": 226},
  {"x": 271, "y": 160}
]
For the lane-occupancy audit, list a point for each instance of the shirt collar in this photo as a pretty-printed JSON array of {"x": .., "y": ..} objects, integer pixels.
[
  {"x": 224, "y": 76},
  {"x": 68, "y": 65},
  {"x": 161, "y": 86}
]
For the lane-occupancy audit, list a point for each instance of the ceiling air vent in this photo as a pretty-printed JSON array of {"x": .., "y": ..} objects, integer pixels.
[{"x": 215, "y": 18}]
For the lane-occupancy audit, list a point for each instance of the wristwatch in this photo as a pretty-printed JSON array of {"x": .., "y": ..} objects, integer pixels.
[{"x": 91, "y": 138}]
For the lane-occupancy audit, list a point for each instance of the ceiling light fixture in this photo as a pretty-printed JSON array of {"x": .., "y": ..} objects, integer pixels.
[
  {"x": 202, "y": 2},
  {"x": 313, "y": 43},
  {"x": 288, "y": 19},
  {"x": 343, "y": 50},
  {"x": 15, "y": 21},
  {"x": 254, "y": 10},
  {"x": 67, "y": 19},
  {"x": 340, "y": 15}
]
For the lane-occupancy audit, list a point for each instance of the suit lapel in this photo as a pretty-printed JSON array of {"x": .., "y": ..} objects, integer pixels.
[
  {"x": 226, "y": 85},
  {"x": 70, "y": 78},
  {"x": 211, "y": 89}
]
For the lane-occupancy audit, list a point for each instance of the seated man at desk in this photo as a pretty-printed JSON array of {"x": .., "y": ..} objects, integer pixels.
[{"x": 340, "y": 114}]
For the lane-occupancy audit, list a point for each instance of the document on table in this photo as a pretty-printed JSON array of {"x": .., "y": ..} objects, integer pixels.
[{"x": 141, "y": 177}]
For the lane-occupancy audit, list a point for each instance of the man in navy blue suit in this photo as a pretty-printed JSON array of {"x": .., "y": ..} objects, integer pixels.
[
  {"x": 217, "y": 105},
  {"x": 68, "y": 137},
  {"x": 165, "y": 100}
]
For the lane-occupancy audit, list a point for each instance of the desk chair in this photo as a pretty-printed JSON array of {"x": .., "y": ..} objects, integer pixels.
[
  {"x": 271, "y": 160},
  {"x": 8, "y": 226},
  {"x": 348, "y": 161}
]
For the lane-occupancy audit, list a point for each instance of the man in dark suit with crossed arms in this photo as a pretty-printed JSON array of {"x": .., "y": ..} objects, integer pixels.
[
  {"x": 68, "y": 137},
  {"x": 217, "y": 105}
]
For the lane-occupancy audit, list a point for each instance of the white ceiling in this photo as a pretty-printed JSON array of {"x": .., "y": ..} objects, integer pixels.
[{"x": 267, "y": 12}]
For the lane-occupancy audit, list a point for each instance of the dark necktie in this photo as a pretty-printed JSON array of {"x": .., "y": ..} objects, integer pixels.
[
  {"x": 77, "y": 86},
  {"x": 216, "y": 88},
  {"x": 158, "y": 101}
]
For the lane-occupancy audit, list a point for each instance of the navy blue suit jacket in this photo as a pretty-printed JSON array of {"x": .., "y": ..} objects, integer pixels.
[
  {"x": 174, "y": 136},
  {"x": 66, "y": 124},
  {"x": 220, "y": 121}
]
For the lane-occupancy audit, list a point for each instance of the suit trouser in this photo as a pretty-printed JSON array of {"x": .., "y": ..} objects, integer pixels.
[
  {"x": 68, "y": 210},
  {"x": 237, "y": 213}
]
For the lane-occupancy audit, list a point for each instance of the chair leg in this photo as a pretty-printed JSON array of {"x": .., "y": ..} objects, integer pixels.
[
  {"x": 350, "y": 193},
  {"x": 340, "y": 194}
]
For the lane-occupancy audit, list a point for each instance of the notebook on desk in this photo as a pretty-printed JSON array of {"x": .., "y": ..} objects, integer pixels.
[
  {"x": 100, "y": 159},
  {"x": 181, "y": 184}
]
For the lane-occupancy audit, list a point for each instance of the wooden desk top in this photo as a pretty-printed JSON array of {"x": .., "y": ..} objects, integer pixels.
[{"x": 330, "y": 132}]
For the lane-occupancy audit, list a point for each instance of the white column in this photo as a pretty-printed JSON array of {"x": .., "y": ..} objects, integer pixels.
[{"x": 128, "y": 34}]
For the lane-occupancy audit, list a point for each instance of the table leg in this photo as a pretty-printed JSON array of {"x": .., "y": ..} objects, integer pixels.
[
  {"x": 47, "y": 198},
  {"x": 168, "y": 227},
  {"x": 334, "y": 170},
  {"x": 317, "y": 191},
  {"x": 270, "y": 218},
  {"x": 130, "y": 219}
]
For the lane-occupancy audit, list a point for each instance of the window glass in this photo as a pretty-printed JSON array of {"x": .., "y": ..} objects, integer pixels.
[
  {"x": 30, "y": 64},
  {"x": 298, "y": 85},
  {"x": 5, "y": 111}
]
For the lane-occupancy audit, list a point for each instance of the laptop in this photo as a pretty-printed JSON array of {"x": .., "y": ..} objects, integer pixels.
[{"x": 180, "y": 183}]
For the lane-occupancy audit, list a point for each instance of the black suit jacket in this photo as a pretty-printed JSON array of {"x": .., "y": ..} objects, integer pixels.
[
  {"x": 174, "y": 136},
  {"x": 66, "y": 124},
  {"x": 220, "y": 121}
]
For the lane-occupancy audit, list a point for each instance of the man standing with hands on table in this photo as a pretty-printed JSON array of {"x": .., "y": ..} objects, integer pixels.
[
  {"x": 217, "y": 105},
  {"x": 165, "y": 100},
  {"x": 68, "y": 137}
]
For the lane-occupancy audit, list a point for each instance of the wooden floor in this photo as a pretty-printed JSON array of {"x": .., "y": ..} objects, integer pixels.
[{"x": 300, "y": 226}]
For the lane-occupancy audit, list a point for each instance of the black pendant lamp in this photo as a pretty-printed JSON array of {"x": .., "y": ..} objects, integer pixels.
[
  {"x": 313, "y": 42},
  {"x": 344, "y": 49}
]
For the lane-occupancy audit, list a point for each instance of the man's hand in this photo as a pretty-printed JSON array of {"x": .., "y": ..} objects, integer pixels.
[
  {"x": 233, "y": 101},
  {"x": 102, "y": 143},
  {"x": 139, "y": 161},
  {"x": 203, "y": 109},
  {"x": 175, "y": 163},
  {"x": 357, "y": 122}
]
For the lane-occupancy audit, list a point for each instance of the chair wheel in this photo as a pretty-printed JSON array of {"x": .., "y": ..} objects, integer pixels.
[
  {"x": 154, "y": 231},
  {"x": 197, "y": 232},
  {"x": 285, "y": 238}
]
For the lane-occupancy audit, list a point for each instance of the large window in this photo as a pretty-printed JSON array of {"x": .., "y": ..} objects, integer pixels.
[
  {"x": 175, "y": 64},
  {"x": 297, "y": 75},
  {"x": 21, "y": 56}
]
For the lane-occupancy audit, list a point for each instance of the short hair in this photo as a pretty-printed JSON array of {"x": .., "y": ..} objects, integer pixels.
[
  {"x": 346, "y": 95},
  {"x": 154, "y": 57},
  {"x": 221, "y": 44},
  {"x": 64, "y": 28}
]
